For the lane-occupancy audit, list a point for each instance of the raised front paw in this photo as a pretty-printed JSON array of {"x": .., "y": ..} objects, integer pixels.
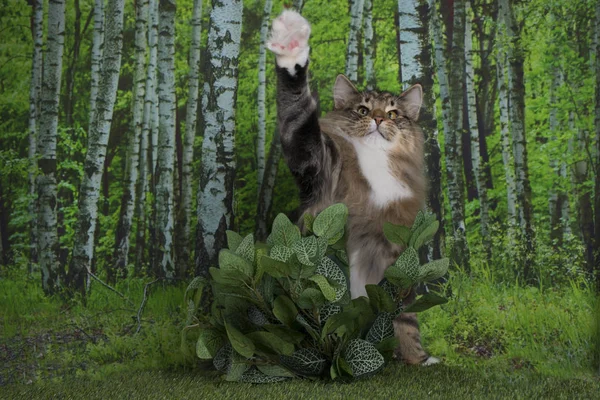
[{"x": 289, "y": 40}]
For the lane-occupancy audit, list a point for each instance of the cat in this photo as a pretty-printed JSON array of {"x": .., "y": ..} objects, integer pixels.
[{"x": 367, "y": 153}]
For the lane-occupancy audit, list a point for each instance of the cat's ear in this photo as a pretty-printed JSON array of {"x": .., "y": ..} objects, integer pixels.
[
  {"x": 412, "y": 99},
  {"x": 343, "y": 90}
]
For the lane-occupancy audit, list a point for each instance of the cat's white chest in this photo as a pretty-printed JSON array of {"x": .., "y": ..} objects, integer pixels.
[{"x": 372, "y": 153}]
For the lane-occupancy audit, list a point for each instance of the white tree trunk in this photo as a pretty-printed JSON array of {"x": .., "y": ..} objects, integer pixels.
[
  {"x": 215, "y": 196},
  {"x": 35, "y": 89},
  {"x": 184, "y": 232},
  {"x": 89, "y": 191},
  {"x": 507, "y": 158},
  {"x": 516, "y": 110},
  {"x": 119, "y": 269},
  {"x": 451, "y": 92},
  {"x": 97, "y": 51},
  {"x": 150, "y": 98},
  {"x": 476, "y": 161},
  {"x": 260, "y": 143},
  {"x": 166, "y": 138},
  {"x": 46, "y": 147},
  {"x": 408, "y": 19},
  {"x": 356, "y": 16},
  {"x": 369, "y": 45}
]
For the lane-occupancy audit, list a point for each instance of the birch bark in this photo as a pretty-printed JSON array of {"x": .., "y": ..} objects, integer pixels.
[
  {"x": 37, "y": 32},
  {"x": 46, "y": 147},
  {"x": 166, "y": 139},
  {"x": 356, "y": 16},
  {"x": 215, "y": 196},
  {"x": 97, "y": 51},
  {"x": 184, "y": 232},
  {"x": 260, "y": 145},
  {"x": 89, "y": 190},
  {"x": 369, "y": 45}
]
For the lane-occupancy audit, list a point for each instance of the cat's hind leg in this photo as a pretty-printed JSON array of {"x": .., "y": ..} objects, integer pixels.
[{"x": 289, "y": 40}]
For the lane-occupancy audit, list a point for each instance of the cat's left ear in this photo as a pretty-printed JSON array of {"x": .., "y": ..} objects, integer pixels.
[
  {"x": 343, "y": 91},
  {"x": 412, "y": 99}
]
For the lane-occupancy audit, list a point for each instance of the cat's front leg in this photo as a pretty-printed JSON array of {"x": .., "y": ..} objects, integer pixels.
[{"x": 289, "y": 40}]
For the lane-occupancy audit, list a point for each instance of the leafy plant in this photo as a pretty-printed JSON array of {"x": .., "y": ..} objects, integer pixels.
[{"x": 283, "y": 309}]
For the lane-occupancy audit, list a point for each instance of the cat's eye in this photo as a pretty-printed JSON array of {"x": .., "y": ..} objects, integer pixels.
[
  {"x": 392, "y": 114},
  {"x": 362, "y": 110}
]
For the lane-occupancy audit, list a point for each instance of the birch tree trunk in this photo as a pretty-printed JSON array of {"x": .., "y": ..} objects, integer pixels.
[
  {"x": 184, "y": 241},
  {"x": 369, "y": 45},
  {"x": 452, "y": 112},
  {"x": 97, "y": 51},
  {"x": 356, "y": 16},
  {"x": 72, "y": 66},
  {"x": 507, "y": 158},
  {"x": 215, "y": 194},
  {"x": 147, "y": 126},
  {"x": 121, "y": 252},
  {"x": 260, "y": 145},
  {"x": 409, "y": 46},
  {"x": 35, "y": 88},
  {"x": 516, "y": 90},
  {"x": 298, "y": 5},
  {"x": 89, "y": 191},
  {"x": 46, "y": 146},
  {"x": 166, "y": 139},
  {"x": 474, "y": 135}
]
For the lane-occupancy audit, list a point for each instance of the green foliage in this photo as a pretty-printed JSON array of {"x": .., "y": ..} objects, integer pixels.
[{"x": 284, "y": 310}]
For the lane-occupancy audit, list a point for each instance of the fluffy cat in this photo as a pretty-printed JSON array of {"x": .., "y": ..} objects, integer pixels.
[{"x": 367, "y": 153}]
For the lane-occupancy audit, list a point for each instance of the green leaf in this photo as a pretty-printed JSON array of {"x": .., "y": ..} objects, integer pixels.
[
  {"x": 425, "y": 302},
  {"x": 419, "y": 219},
  {"x": 405, "y": 271},
  {"x": 222, "y": 360},
  {"x": 239, "y": 365},
  {"x": 310, "y": 297},
  {"x": 253, "y": 375},
  {"x": 275, "y": 370},
  {"x": 233, "y": 240},
  {"x": 327, "y": 311},
  {"x": 287, "y": 334},
  {"x": 274, "y": 268},
  {"x": 433, "y": 270},
  {"x": 283, "y": 233},
  {"x": 285, "y": 310},
  {"x": 379, "y": 298},
  {"x": 329, "y": 269},
  {"x": 325, "y": 287},
  {"x": 398, "y": 234},
  {"x": 306, "y": 361},
  {"x": 256, "y": 316},
  {"x": 309, "y": 220},
  {"x": 330, "y": 222},
  {"x": 246, "y": 249},
  {"x": 281, "y": 253},
  {"x": 363, "y": 358},
  {"x": 239, "y": 341},
  {"x": 229, "y": 261},
  {"x": 209, "y": 342},
  {"x": 382, "y": 328},
  {"x": 227, "y": 277},
  {"x": 306, "y": 249},
  {"x": 425, "y": 233},
  {"x": 387, "y": 347},
  {"x": 270, "y": 341}
]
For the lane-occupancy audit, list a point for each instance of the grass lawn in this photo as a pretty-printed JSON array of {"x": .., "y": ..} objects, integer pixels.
[
  {"x": 495, "y": 340},
  {"x": 395, "y": 382}
]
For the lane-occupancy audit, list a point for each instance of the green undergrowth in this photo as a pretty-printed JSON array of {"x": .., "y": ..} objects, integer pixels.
[{"x": 487, "y": 327}]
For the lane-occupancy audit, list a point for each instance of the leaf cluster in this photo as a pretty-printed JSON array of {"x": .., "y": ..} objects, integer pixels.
[{"x": 282, "y": 309}]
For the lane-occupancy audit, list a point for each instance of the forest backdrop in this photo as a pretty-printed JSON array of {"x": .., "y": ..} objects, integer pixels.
[{"x": 134, "y": 133}]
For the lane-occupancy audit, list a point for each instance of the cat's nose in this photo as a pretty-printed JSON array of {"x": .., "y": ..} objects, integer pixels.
[{"x": 378, "y": 120}]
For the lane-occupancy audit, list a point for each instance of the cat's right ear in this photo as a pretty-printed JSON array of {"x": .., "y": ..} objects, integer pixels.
[{"x": 343, "y": 90}]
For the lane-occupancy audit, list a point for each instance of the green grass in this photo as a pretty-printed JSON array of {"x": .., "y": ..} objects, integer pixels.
[
  {"x": 396, "y": 381},
  {"x": 507, "y": 340}
]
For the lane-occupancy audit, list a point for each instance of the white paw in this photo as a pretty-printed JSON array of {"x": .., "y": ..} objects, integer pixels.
[
  {"x": 431, "y": 361},
  {"x": 289, "y": 40}
]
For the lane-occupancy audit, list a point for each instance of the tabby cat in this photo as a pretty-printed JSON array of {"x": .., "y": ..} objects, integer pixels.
[{"x": 367, "y": 153}]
